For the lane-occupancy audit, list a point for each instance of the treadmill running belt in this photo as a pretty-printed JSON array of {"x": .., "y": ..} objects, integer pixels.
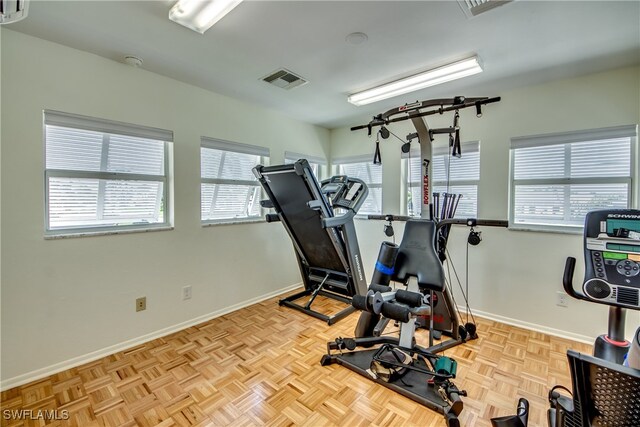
[{"x": 305, "y": 223}]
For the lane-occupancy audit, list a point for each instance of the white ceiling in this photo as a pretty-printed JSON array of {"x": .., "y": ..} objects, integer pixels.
[{"x": 520, "y": 43}]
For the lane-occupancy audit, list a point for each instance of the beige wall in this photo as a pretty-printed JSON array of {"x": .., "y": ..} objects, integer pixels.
[
  {"x": 69, "y": 300},
  {"x": 514, "y": 275},
  {"x": 63, "y": 300}
]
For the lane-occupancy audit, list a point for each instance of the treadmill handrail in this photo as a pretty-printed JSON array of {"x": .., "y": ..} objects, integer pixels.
[{"x": 337, "y": 221}]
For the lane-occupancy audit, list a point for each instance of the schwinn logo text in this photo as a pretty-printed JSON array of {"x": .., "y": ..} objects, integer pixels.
[{"x": 623, "y": 216}]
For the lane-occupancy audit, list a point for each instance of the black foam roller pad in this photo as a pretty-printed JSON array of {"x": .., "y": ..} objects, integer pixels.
[
  {"x": 359, "y": 302},
  {"x": 412, "y": 299},
  {"x": 379, "y": 288},
  {"x": 385, "y": 264},
  {"x": 395, "y": 312}
]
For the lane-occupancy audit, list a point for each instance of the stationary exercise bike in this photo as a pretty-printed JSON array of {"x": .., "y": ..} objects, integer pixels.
[
  {"x": 605, "y": 393},
  {"x": 612, "y": 274}
]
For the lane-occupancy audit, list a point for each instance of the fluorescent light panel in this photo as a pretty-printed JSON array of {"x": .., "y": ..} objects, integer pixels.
[
  {"x": 200, "y": 15},
  {"x": 456, "y": 70},
  {"x": 13, "y": 10}
]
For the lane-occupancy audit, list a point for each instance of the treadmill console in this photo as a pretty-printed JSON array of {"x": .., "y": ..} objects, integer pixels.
[
  {"x": 344, "y": 192},
  {"x": 612, "y": 257}
]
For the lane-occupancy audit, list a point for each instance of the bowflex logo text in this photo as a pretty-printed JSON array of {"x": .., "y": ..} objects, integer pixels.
[
  {"x": 30, "y": 414},
  {"x": 359, "y": 268}
]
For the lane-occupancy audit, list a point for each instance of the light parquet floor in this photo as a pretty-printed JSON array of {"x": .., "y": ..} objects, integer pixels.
[{"x": 260, "y": 366}]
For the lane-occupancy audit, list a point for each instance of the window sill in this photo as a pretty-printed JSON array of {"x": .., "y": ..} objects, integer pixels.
[
  {"x": 72, "y": 235},
  {"x": 525, "y": 228},
  {"x": 234, "y": 222}
]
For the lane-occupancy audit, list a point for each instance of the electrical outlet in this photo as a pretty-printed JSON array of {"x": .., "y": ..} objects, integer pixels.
[
  {"x": 562, "y": 299},
  {"x": 141, "y": 304},
  {"x": 186, "y": 293}
]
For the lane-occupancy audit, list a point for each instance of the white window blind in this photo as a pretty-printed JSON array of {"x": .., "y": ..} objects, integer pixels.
[
  {"x": 364, "y": 169},
  {"x": 229, "y": 190},
  {"x": 456, "y": 175},
  {"x": 556, "y": 179},
  {"x": 104, "y": 176},
  {"x": 314, "y": 161}
]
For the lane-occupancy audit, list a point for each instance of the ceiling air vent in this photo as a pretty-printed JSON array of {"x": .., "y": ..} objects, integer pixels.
[
  {"x": 285, "y": 79},
  {"x": 473, "y": 8}
]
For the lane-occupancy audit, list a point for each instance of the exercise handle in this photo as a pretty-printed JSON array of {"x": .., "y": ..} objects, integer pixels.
[
  {"x": 389, "y": 217},
  {"x": 567, "y": 280},
  {"x": 492, "y": 223},
  {"x": 473, "y": 222},
  {"x": 489, "y": 101},
  {"x": 473, "y": 102}
]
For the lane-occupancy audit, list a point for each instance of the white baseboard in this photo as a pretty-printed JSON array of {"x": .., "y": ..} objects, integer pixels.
[
  {"x": 90, "y": 357},
  {"x": 95, "y": 355},
  {"x": 532, "y": 326}
]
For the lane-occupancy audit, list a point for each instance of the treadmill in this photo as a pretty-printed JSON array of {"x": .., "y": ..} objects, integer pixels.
[{"x": 319, "y": 219}]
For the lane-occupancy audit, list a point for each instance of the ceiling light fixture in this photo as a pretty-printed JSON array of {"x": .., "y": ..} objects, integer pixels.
[
  {"x": 432, "y": 77},
  {"x": 13, "y": 10},
  {"x": 200, "y": 15}
]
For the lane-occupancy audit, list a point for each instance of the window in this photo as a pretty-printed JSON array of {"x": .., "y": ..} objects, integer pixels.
[
  {"x": 462, "y": 174},
  {"x": 229, "y": 191},
  {"x": 104, "y": 176},
  {"x": 317, "y": 163},
  {"x": 364, "y": 169},
  {"x": 557, "y": 178}
]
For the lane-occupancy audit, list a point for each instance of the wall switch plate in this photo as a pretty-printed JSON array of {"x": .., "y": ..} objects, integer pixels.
[
  {"x": 186, "y": 293},
  {"x": 562, "y": 299},
  {"x": 141, "y": 304}
]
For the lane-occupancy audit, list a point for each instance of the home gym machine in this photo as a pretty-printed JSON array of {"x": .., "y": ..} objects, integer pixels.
[
  {"x": 440, "y": 207},
  {"x": 319, "y": 220},
  {"x": 399, "y": 363},
  {"x": 604, "y": 393},
  {"x": 446, "y": 317}
]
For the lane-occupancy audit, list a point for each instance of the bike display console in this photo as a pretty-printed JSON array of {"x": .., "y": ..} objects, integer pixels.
[
  {"x": 611, "y": 277},
  {"x": 612, "y": 258}
]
